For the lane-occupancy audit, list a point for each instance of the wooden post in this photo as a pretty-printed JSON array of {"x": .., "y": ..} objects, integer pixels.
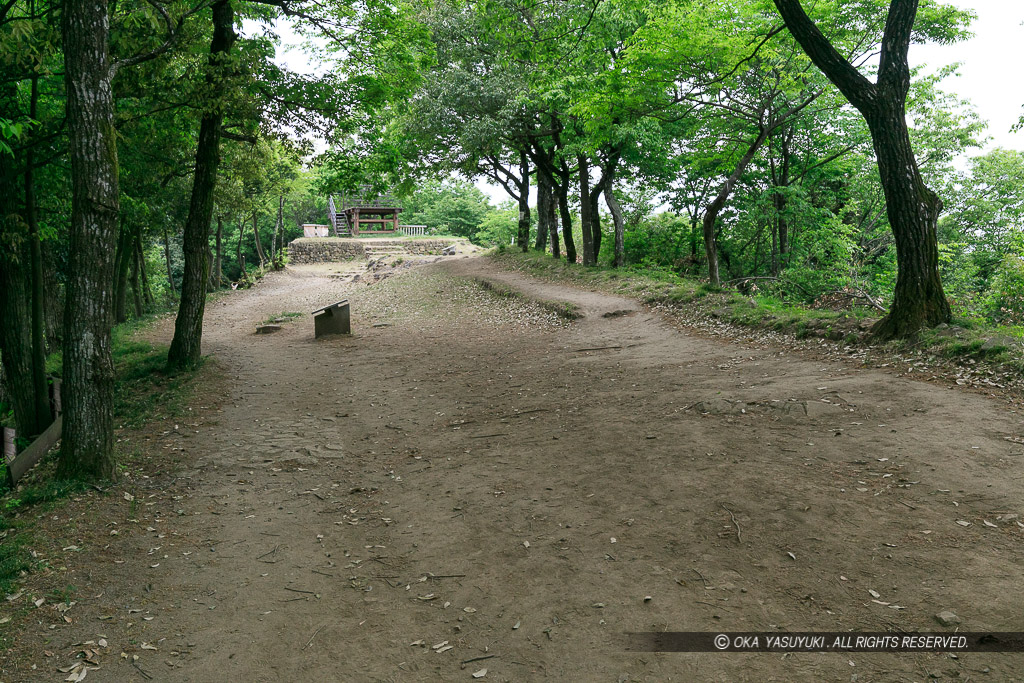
[
  {"x": 355, "y": 222},
  {"x": 10, "y": 449},
  {"x": 55, "y": 398}
]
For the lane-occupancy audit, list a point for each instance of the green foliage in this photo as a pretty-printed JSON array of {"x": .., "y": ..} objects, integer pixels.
[{"x": 449, "y": 207}]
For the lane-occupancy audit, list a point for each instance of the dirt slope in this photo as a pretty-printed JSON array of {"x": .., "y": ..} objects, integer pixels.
[{"x": 474, "y": 469}]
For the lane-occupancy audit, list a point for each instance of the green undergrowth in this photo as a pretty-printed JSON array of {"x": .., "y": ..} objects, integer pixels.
[{"x": 963, "y": 341}]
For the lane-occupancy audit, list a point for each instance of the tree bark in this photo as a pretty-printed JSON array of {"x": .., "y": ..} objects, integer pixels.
[
  {"x": 585, "y": 209},
  {"x": 523, "y": 234},
  {"x": 256, "y": 237},
  {"x": 167, "y": 259},
  {"x": 122, "y": 260},
  {"x": 217, "y": 272},
  {"x": 595, "y": 218},
  {"x": 238, "y": 251},
  {"x": 617, "y": 218},
  {"x": 141, "y": 256},
  {"x": 87, "y": 442},
  {"x": 552, "y": 217},
  {"x": 277, "y": 257},
  {"x": 543, "y": 205},
  {"x": 913, "y": 209},
  {"x": 40, "y": 387},
  {"x": 136, "y": 286},
  {"x": 186, "y": 346},
  {"x": 716, "y": 205},
  {"x": 562, "y": 190}
]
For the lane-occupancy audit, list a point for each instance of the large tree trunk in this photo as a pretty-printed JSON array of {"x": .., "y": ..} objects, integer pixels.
[
  {"x": 913, "y": 209},
  {"x": 718, "y": 203},
  {"x": 585, "y": 209},
  {"x": 87, "y": 443},
  {"x": 186, "y": 347}
]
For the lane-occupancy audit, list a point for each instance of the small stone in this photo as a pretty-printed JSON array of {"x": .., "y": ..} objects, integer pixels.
[{"x": 947, "y": 618}]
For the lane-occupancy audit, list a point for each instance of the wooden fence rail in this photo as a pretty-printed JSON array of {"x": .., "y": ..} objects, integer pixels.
[{"x": 20, "y": 463}]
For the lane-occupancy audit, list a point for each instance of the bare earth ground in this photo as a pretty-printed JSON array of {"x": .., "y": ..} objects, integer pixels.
[{"x": 474, "y": 470}]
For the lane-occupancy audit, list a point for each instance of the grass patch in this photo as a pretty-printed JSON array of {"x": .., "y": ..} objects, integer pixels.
[
  {"x": 287, "y": 315},
  {"x": 997, "y": 351},
  {"x": 563, "y": 309}
]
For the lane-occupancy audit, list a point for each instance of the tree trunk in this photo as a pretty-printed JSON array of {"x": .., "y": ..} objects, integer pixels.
[
  {"x": 16, "y": 352},
  {"x": 552, "y": 219},
  {"x": 913, "y": 209},
  {"x": 256, "y": 236},
  {"x": 15, "y": 332},
  {"x": 217, "y": 272},
  {"x": 620, "y": 223},
  {"x": 715, "y": 207},
  {"x": 277, "y": 258},
  {"x": 167, "y": 258},
  {"x": 595, "y": 219},
  {"x": 54, "y": 303},
  {"x": 238, "y": 250},
  {"x": 209, "y": 268},
  {"x": 563, "y": 209},
  {"x": 543, "y": 203},
  {"x": 122, "y": 260},
  {"x": 141, "y": 256},
  {"x": 136, "y": 287},
  {"x": 523, "y": 234},
  {"x": 40, "y": 387},
  {"x": 186, "y": 346},
  {"x": 585, "y": 207},
  {"x": 87, "y": 442}
]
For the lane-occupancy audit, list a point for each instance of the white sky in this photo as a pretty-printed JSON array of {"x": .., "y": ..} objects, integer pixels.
[
  {"x": 991, "y": 63},
  {"x": 989, "y": 74}
]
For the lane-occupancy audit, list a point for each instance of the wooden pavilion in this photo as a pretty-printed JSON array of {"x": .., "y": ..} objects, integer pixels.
[{"x": 364, "y": 215}]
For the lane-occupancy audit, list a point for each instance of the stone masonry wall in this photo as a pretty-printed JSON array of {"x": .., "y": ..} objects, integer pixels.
[{"x": 331, "y": 249}]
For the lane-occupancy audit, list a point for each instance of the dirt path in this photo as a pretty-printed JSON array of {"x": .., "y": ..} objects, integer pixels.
[{"x": 473, "y": 469}]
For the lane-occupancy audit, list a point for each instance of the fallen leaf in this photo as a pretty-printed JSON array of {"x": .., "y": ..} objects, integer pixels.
[
  {"x": 480, "y": 674},
  {"x": 874, "y": 594}
]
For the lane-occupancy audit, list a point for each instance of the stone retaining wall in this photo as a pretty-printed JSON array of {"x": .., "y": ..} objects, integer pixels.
[{"x": 331, "y": 249}]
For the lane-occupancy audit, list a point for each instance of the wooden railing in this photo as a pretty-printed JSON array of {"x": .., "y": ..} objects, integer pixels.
[
  {"x": 20, "y": 463},
  {"x": 413, "y": 230}
]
